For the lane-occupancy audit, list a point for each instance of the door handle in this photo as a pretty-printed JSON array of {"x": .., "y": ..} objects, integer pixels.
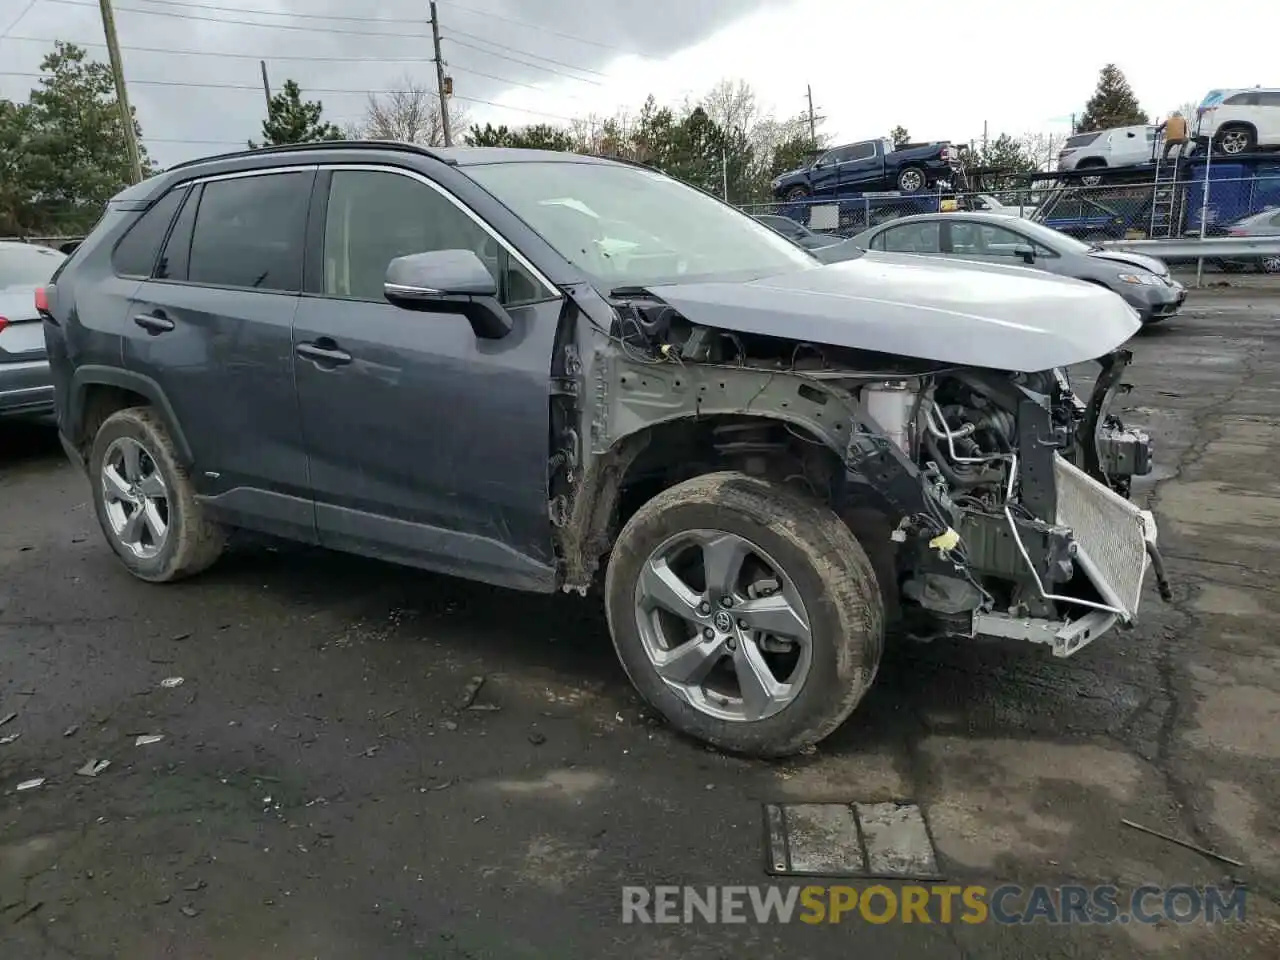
[
  {"x": 324, "y": 352},
  {"x": 154, "y": 323}
]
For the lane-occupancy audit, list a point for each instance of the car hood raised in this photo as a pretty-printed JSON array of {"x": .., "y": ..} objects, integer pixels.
[
  {"x": 926, "y": 308},
  {"x": 1152, "y": 264}
]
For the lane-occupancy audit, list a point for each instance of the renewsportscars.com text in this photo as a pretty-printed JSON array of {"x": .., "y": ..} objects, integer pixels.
[{"x": 817, "y": 904}]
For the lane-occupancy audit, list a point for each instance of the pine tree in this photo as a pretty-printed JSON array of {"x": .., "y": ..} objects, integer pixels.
[
  {"x": 1113, "y": 103},
  {"x": 292, "y": 120}
]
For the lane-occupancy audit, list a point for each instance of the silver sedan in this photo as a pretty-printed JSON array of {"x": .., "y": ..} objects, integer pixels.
[{"x": 1143, "y": 282}]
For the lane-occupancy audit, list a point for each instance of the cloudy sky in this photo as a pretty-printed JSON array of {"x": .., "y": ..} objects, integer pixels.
[{"x": 939, "y": 69}]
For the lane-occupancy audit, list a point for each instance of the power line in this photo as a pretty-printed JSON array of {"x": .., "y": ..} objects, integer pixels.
[
  {"x": 279, "y": 13},
  {"x": 532, "y": 56},
  {"x": 233, "y": 56},
  {"x": 527, "y": 63},
  {"x": 257, "y": 88},
  {"x": 18, "y": 19},
  {"x": 248, "y": 23}
]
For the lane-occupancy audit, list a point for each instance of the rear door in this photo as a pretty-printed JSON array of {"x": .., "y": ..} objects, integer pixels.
[
  {"x": 1269, "y": 118},
  {"x": 211, "y": 325}
]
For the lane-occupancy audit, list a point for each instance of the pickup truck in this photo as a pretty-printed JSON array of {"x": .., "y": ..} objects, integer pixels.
[{"x": 870, "y": 165}]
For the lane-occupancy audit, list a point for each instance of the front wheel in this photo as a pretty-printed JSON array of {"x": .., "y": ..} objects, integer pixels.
[
  {"x": 797, "y": 193},
  {"x": 745, "y": 613},
  {"x": 1271, "y": 264}
]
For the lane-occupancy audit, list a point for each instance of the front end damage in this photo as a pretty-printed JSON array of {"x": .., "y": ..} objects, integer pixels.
[{"x": 1003, "y": 496}]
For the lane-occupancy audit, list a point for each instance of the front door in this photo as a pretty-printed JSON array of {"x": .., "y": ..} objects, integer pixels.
[
  {"x": 861, "y": 168},
  {"x": 426, "y": 445},
  {"x": 211, "y": 327}
]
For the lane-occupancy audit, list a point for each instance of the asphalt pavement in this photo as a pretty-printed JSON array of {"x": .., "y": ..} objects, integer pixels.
[{"x": 328, "y": 782}]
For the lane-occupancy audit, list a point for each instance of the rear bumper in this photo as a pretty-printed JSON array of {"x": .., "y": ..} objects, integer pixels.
[{"x": 26, "y": 388}]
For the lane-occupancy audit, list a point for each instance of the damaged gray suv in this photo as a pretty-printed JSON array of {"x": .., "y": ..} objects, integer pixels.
[{"x": 551, "y": 372}]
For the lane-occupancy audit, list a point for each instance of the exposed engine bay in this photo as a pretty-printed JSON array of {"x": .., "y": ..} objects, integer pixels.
[{"x": 1005, "y": 494}]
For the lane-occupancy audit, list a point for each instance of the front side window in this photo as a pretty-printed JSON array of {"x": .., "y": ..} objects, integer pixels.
[
  {"x": 1270, "y": 98},
  {"x": 250, "y": 232},
  {"x": 912, "y": 238},
  {"x": 999, "y": 242},
  {"x": 135, "y": 254},
  {"x": 859, "y": 151},
  {"x": 374, "y": 217},
  {"x": 629, "y": 226},
  {"x": 1080, "y": 140}
]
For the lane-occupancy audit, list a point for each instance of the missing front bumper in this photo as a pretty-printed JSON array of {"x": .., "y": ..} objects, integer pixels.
[{"x": 1114, "y": 544}]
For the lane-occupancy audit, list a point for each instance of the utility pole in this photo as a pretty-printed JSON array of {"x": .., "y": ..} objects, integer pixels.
[
  {"x": 266, "y": 84},
  {"x": 984, "y": 137},
  {"x": 122, "y": 97},
  {"x": 813, "y": 126},
  {"x": 440, "y": 85}
]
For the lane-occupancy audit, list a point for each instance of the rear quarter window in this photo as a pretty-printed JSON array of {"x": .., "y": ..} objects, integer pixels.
[
  {"x": 1082, "y": 139},
  {"x": 136, "y": 252}
]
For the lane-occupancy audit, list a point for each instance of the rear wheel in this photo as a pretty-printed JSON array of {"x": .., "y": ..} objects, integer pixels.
[
  {"x": 746, "y": 614},
  {"x": 145, "y": 501},
  {"x": 912, "y": 180},
  {"x": 1236, "y": 140}
]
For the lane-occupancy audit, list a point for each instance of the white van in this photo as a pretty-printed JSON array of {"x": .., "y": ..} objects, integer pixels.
[
  {"x": 1239, "y": 120},
  {"x": 1106, "y": 149}
]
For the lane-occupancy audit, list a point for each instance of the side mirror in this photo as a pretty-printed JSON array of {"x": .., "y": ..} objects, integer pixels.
[
  {"x": 1026, "y": 252},
  {"x": 448, "y": 281}
]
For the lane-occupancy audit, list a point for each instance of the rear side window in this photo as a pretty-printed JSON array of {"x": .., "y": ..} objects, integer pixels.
[
  {"x": 250, "y": 232},
  {"x": 135, "y": 255},
  {"x": 1269, "y": 99},
  {"x": 1082, "y": 139}
]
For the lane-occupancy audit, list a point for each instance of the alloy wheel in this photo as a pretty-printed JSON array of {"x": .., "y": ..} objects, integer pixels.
[
  {"x": 723, "y": 625},
  {"x": 1271, "y": 264},
  {"x": 911, "y": 181},
  {"x": 1235, "y": 141},
  {"x": 135, "y": 497}
]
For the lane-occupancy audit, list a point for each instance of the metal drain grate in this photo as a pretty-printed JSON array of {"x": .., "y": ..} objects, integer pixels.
[{"x": 872, "y": 840}]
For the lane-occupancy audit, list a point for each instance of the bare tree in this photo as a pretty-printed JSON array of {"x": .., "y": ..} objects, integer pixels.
[{"x": 411, "y": 113}]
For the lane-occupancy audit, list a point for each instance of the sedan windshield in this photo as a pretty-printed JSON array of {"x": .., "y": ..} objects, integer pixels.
[
  {"x": 1053, "y": 239},
  {"x": 27, "y": 266},
  {"x": 628, "y": 226}
]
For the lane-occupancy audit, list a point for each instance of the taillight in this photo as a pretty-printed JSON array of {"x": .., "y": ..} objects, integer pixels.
[
  {"x": 42, "y": 301},
  {"x": 4, "y": 322}
]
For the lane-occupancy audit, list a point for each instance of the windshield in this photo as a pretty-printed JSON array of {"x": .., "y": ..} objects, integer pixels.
[
  {"x": 27, "y": 266},
  {"x": 631, "y": 227}
]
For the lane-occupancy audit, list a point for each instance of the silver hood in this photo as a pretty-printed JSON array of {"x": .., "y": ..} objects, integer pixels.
[
  {"x": 1156, "y": 266},
  {"x": 971, "y": 314}
]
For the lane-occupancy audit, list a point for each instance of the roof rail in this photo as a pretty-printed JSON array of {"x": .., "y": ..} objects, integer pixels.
[{"x": 287, "y": 148}]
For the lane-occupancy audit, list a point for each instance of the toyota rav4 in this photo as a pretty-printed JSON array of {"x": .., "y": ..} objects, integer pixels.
[{"x": 550, "y": 372}]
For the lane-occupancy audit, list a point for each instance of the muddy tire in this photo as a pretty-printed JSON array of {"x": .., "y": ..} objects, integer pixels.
[
  {"x": 145, "y": 501},
  {"x": 804, "y": 589}
]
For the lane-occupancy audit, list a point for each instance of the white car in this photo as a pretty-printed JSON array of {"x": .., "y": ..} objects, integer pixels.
[
  {"x": 1240, "y": 120},
  {"x": 1106, "y": 149},
  {"x": 986, "y": 203}
]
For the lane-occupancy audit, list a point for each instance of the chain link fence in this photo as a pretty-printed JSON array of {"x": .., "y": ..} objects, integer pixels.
[{"x": 1161, "y": 210}]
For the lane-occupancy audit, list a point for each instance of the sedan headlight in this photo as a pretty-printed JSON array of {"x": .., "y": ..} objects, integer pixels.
[{"x": 1146, "y": 279}]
